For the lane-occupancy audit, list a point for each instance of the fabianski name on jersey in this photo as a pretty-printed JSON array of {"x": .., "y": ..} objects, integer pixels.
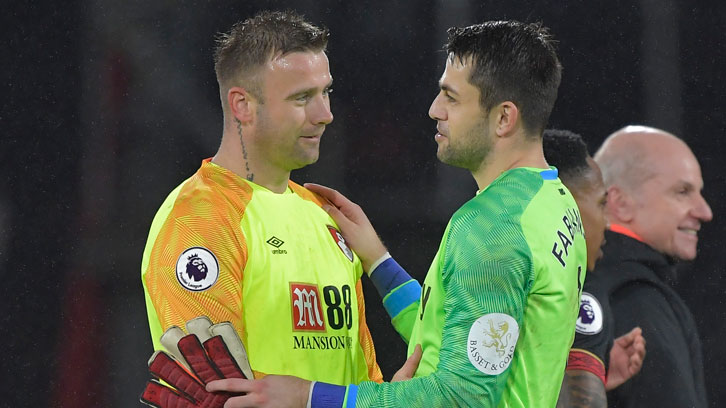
[{"x": 572, "y": 223}]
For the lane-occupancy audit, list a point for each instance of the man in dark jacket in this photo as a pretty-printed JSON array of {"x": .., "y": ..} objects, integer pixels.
[{"x": 655, "y": 209}]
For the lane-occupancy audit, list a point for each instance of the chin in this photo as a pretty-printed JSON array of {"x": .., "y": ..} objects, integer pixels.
[
  {"x": 685, "y": 254},
  {"x": 307, "y": 158},
  {"x": 447, "y": 159},
  {"x": 688, "y": 256}
]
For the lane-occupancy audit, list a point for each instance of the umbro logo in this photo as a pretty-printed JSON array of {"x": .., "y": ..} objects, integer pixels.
[{"x": 277, "y": 243}]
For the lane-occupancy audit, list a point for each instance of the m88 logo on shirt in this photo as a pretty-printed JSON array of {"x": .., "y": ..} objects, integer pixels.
[{"x": 309, "y": 315}]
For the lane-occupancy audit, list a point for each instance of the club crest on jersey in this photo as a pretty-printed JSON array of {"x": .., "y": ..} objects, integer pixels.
[
  {"x": 590, "y": 318},
  {"x": 338, "y": 237},
  {"x": 492, "y": 339},
  {"x": 307, "y": 314},
  {"x": 197, "y": 269}
]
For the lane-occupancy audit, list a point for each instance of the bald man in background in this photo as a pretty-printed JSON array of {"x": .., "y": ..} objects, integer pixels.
[{"x": 655, "y": 210}]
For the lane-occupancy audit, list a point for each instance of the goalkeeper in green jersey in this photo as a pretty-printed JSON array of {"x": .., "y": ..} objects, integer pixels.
[{"x": 496, "y": 313}]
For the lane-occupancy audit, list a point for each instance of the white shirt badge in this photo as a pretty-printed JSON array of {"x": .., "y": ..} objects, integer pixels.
[
  {"x": 492, "y": 339},
  {"x": 197, "y": 269},
  {"x": 590, "y": 318}
]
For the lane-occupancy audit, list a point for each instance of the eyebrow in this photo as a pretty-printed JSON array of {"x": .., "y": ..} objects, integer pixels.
[
  {"x": 448, "y": 89},
  {"x": 689, "y": 185},
  {"x": 309, "y": 90}
]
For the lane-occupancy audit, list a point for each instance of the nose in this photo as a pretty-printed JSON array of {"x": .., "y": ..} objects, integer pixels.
[
  {"x": 702, "y": 210},
  {"x": 319, "y": 111},
  {"x": 435, "y": 111}
]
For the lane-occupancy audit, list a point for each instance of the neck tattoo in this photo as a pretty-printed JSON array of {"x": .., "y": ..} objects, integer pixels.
[{"x": 250, "y": 176}]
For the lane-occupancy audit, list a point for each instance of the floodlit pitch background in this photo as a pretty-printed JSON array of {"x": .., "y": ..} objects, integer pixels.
[{"x": 108, "y": 105}]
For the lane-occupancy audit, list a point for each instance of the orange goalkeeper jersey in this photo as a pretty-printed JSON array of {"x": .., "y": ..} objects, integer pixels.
[{"x": 274, "y": 265}]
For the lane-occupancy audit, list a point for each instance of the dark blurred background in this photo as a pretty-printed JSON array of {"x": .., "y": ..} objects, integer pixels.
[{"x": 108, "y": 105}]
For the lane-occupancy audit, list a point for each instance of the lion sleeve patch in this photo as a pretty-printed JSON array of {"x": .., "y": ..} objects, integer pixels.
[
  {"x": 590, "y": 317},
  {"x": 492, "y": 339},
  {"x": 197, "y": 269}
]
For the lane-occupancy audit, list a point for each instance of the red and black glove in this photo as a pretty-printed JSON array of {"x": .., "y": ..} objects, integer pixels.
[{"x": 209, "y": 352}]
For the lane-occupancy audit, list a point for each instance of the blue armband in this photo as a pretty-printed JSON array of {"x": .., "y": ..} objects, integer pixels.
[
  {"x": 329, "y": 396},
  {"x": 387, "y": 276},
  {"x": 395, "y": 286}
]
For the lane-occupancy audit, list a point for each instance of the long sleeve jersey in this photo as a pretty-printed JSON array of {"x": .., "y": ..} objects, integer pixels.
[
  {"x": 495, "y": 316},
  {"x": 275, "y": 265}
]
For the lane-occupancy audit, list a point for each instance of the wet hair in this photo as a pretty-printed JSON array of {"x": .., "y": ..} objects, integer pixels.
[
  {"x": 568, "y": 152},
  {"x": 251, "y": 43},
  {"x": 512, "y": 61}
]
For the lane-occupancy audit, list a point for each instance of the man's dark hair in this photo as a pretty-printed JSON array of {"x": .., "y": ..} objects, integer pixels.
[
  {"x": 242, "y": 51},
  {"x": 512, "y": 61},
  {"x": 566, "y": 151}
]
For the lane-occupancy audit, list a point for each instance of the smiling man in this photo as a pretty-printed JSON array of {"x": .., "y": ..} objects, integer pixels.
[
  {"x": 655, "y": 209},
  {"x": 238, "y": 241}
]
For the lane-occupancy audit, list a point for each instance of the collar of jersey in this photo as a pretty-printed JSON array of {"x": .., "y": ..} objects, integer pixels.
[
  {"x": 236, "y": 177},
  {"x": 263, "y": 189},
  {"x": 547, "y": 174}
]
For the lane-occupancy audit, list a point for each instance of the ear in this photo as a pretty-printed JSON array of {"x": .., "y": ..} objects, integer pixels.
[
  {"x": 506, "y": 118},
  {"x": 620, "y": 206},
  {"x": 242, "y": 104}
]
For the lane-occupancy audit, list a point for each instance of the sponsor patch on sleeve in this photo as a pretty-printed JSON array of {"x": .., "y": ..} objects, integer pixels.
[
  {"x": 492, "y": 339},
  {"x": 197, "y": 269},
  {"x": 590, "y": 318}
]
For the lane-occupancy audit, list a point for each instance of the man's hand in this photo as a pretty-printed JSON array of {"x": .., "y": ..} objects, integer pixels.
[
  {"x": 272, "y": 391},
  {"x": 626, "y": 358},
  {"x": 277, "y": 391},
  {"x": 354, "y": 225},
  {"x": 408, "y": 369},
  {"x": 209, "y": 352}
]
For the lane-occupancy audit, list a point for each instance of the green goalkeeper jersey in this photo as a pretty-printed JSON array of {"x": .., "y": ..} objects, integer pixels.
[{"x": 496, "y": 314}]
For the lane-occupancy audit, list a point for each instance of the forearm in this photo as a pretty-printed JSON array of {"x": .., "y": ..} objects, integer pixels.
[
  {"x": 582, "y": 389},
  {"x": 440, "y": 389}
]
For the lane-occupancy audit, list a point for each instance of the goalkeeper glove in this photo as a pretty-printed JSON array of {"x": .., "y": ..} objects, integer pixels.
[{"x": 210, "y": 352}]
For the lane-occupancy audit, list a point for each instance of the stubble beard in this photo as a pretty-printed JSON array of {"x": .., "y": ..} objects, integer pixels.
[
  {"x": 470, "y": 151},
  {"x": 294, "y": 157}
]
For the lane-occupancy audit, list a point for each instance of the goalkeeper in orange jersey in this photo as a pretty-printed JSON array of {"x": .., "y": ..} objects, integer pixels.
[{"x": 239, "y": 242}]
